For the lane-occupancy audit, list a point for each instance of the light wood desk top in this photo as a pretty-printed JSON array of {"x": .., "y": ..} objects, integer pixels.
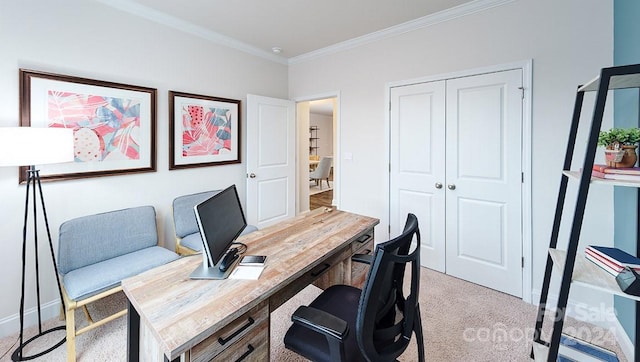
[{"x": 181, "y": 312}]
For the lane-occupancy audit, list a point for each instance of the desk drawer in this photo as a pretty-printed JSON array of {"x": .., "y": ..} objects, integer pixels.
[
  {"x": 227, "y": 339},
  {"x": 359, "y": 271},
  {"x": 252, "y": 347},
  {"x": 333, "y": 270},
  {"x": 323, "y": 275},
  {"x": 364, "y": 241}
]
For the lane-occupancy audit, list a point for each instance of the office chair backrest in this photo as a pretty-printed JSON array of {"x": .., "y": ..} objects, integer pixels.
[{"x": 386, "y": 318}]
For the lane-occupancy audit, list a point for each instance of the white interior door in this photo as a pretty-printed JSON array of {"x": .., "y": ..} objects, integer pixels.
[
  {"x": 271, "y": 160},
  {"x": 484, "y": 180},
  {"x": 417, "y": 166},
  {"x": 456, "y": 162}
]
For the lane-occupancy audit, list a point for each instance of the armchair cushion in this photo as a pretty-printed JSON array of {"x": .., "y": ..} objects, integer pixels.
[
  {"x": 194, "y": 241},
  {"x": 82, "y": 283},
  {"x": 183, "y": 215},
  {"x": 91, "y": 239}
]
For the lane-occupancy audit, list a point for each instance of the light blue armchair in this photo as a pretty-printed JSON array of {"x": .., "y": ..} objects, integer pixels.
[
  {"x": 188, "y": 239},
  {"x": 96, "y": 252}
]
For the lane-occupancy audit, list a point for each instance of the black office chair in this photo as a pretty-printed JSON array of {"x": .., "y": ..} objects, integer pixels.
[{"x": 345, "y": 323}]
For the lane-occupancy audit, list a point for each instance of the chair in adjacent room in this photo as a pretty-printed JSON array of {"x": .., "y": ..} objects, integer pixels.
[
  {"x": 345, "y": 323},
  {"x": 322, "y": 171}
]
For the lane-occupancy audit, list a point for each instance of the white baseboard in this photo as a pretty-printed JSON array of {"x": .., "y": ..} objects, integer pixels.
[
  {"x": 608, "y": 321},
  {"x": 11, "y": 324}
]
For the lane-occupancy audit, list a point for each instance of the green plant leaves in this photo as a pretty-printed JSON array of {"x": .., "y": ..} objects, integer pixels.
[{"x": 624, "y": 136}]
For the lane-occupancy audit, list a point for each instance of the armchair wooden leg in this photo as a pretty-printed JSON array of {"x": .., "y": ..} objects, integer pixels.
[
  {"x": 86, "y": 314},
  {"x": 71, "y": 335}
]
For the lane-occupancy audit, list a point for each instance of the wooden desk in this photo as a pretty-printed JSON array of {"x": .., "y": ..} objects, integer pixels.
[{"x": 171, "y": 315}]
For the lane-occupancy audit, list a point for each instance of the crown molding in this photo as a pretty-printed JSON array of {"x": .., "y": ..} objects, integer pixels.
[
  {"x": 190, "y": 28},
  {"x": 426, "y": 21},
  {"x": 217, "y": 38}
]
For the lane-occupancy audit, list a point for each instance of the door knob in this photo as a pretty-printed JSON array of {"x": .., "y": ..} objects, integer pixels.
[
  {"x": 252, "y": 175},
  {"x": 451, "y": 187},
  {"x": 438, "y": 185}
]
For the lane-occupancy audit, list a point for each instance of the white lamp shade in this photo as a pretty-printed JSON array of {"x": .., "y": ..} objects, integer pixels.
[{"x": 26, "y": 146}]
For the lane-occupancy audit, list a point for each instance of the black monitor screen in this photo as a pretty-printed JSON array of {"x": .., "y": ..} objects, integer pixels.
[{"x": 220, "y": 220}]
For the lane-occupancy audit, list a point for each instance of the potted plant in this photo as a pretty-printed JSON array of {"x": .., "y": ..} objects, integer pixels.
[{"x": 620, "y": 146}]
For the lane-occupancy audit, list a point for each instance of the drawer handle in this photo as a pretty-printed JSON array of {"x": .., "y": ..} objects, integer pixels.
[
  {"x": 248, "y": 352},
  {"x": 364, "y": 238},
  {"x": 224, "y": 341},
  {"x": 324, "y": 267}
]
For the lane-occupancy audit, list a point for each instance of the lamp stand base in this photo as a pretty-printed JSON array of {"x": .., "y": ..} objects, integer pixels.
[
  {"x": 33, "y": 180},
  {"x": 17, "y": 354}
]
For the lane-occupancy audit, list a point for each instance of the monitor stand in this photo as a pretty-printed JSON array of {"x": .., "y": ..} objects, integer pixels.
[{"x": 204, "y": 271}]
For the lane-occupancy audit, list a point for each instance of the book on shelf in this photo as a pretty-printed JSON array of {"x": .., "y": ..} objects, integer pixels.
[
  {"x": 616, "y": 170},
  {"x": 622, "y": 177},
  {"x": 615, "y": 176},
  {"x": 598, "y": 174},
  {"x": 615, "y": 256},
  {"x": 603, "y": 263}
]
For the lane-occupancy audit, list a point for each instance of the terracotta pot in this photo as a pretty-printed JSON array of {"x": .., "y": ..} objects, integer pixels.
[{"x": 628, "y": 160}]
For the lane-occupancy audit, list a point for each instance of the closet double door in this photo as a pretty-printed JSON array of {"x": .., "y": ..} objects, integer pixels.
[{"x": 456, "y": 162}]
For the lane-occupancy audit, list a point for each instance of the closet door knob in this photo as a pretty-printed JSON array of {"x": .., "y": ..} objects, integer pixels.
[
  {"x": 438, "y": 185},
  {"x": 252, "y": 175},
  {"x": 451, "y": 187}
]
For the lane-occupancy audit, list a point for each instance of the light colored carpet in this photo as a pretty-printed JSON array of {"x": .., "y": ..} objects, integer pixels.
[{"x": 461, "y": 322}]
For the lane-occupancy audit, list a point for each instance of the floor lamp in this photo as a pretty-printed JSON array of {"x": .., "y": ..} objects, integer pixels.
[{"x": 30, "y": 146}]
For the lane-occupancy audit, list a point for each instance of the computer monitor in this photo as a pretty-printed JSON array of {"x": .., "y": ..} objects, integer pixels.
[{"x": 220, "y": 220}]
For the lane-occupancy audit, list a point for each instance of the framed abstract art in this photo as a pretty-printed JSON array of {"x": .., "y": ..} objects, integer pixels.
[
  {"x": 203, "y": 130},
  {"x": 114, "y": 124}
]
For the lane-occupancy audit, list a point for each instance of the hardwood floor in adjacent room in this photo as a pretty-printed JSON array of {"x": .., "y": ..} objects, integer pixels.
[{"x": 322, "y": 199}]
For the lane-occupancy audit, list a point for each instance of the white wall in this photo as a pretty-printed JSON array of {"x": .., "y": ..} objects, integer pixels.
[
  {"x": 91, "y": 40},
  {"x": 568, "y": 41},
  {"x": 325, "y": 133}
]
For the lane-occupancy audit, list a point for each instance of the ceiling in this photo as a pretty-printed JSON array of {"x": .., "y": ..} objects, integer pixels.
[
  {"x": 322, "y": 106},
  {"x": 298, "y": 27}
]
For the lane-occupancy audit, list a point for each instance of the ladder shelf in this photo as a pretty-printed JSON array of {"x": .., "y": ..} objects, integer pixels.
[{"x": 574, "y": 268}]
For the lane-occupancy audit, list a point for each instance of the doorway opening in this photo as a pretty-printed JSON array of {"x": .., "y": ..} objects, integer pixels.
[{"x": 316, "y": 153}]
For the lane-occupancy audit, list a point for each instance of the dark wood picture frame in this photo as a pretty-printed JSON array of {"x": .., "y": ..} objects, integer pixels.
[
  {"x": 203, "y": 130},
  {"x": 117, "y": 121}
]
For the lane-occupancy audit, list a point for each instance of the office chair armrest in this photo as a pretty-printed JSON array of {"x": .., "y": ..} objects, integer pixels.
[
  {"x": 321, "y": 322},
  {"x": 363, "y": 258}
]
